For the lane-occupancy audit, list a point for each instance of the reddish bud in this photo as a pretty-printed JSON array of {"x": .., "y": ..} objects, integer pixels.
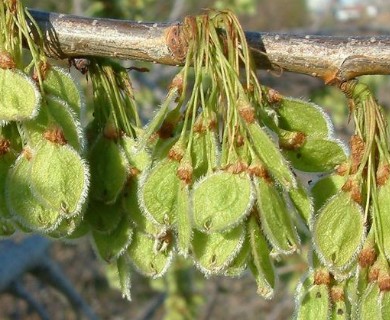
[
  {"x": 337, "y": 294},
  {"x": 367, "y": 257},
  {"x": 258, "y": 170},
  {"x": 357, "y": 151},
  {"x": 212, "y": 125},
  {"x": 27, "y": 153},
  {"x": 342, "y": 169},
  {"x": 43, "y": 69},
  {"x": 4, "y": 146},
  {"x": 322, "y": 276},
  {"x": 240, "y": 140},
  {"x": 6, "y": 61},
  {"x": 185, "y": 173},
  {"x": 373, "y": 273},
  {"x": 237, "y": 167},
  {"x": 384, "y": 280},
  {"x": 247, "y": 113},
  {"x": 274, "y": 96},
  {"x": 199, "y": 127},
  {"x": 382, "y": 174},
  {"x": 176, "y": 152},
  {"x": 166, "y": 130},
  {"x": 177, "y": 42},
  {"x": 111, "y": 133},
  {"x": 353, "y": 187},
  {"x": 292, "y": 141},
  {"x": 133, "y": 172},
  {"x": 55, "y": 135}
]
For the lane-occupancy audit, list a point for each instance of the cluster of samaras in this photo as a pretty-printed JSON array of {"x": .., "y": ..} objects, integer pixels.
[{"x": 210, "y": 177}]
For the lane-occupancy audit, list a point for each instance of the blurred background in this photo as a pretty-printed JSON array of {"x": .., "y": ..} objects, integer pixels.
[{"x": 217, "y": 297}]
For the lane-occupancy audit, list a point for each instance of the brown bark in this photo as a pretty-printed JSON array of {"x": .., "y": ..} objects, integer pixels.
[{"x": 326, "y": 57}]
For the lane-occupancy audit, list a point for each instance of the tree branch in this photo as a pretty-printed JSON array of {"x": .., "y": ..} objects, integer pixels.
[
  {"x": 17, "y": 258},
  {"x": 52, "y": 274},
  {"x": 18, "y": 290},
  {"x": 30, "y": 255},
  {"x": 326, "y": 57}
]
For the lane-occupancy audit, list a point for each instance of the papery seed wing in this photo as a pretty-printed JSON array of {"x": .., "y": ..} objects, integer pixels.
[
  {"x": 317, "y": 155},
  {"x": 6, "y": 161},
  {"x": 61, "y": 112},
  {"x": 339, "y": 311},
  {"x": 112, "y": 245},
  {"x": 338, "y": 231},
  {"x": 67, "y": 227},
  {"x": 124, "y": 272},
  {"x": 145, "y": 258},
  {"x": 59, "y": 178},
  {"x": 221, "y": 201},
  {"x": 271, "y": 156},
  {"x": 139, "y": 159},
  {"x": 184, "y": 223},
  {"x": 133, "y": 211},
  {"x": 21, "y": 202},
  {"x": 214, "y": 253},
  {"x": 369, "y": 306},
  {"x": 204, "y": 153},
  {"x": 384, "y": 304},
  {"x": 158, "y": 192},
  {"x": 302, "y": 202},
  {"x": 55, "y": 114},
  {"x": 20, "y": 98},
  {"x": 325, "y": 188},
  {"x": 303, "y": 286},
  {"x": 315, "y": 304},
  {"x": 260, "y": 261},
  {"x": 58, "y": 82},
  {"x": 109, "y": 170},
  {"x": 301, "y": 116},
  {"x": 102, "y": 217},
  {"x": 240, "y": 262},
  {"x": 383, "y": 201},
  {"x": 275, "y": 218}
]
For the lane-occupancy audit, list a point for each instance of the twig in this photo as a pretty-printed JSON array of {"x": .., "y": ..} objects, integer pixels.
[
  {"x": 326, "y": 57},
  {"x": 17, "y": 258},
  {"x": 17, "y": 289},
  {"x": 152, "y": 307},
  {"x": 30, "y": 255},
  {"x": 49, "y": 272}
]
